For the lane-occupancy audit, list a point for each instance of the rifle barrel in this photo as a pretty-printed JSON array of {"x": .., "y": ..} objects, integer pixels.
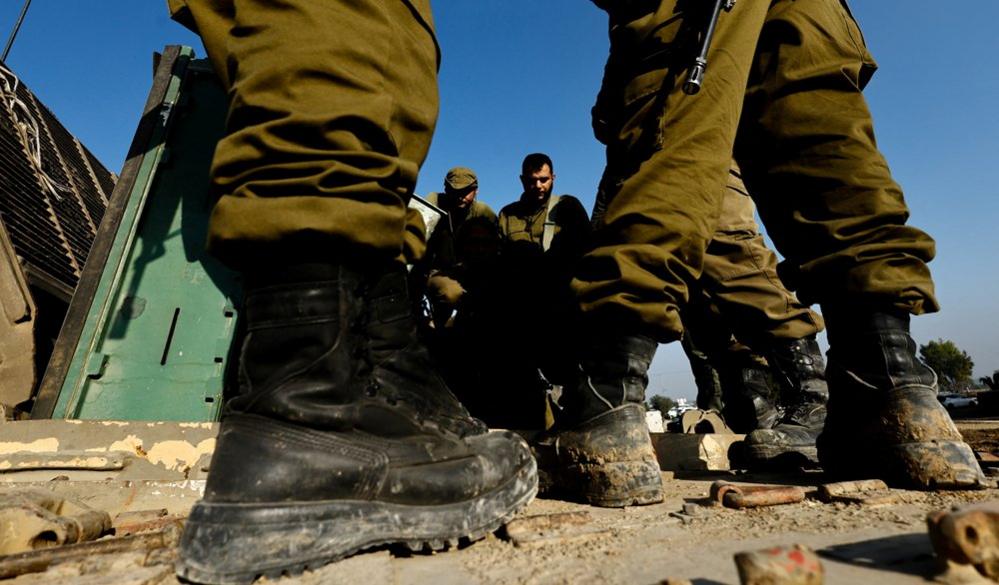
[{"x": 695, "y": 79}]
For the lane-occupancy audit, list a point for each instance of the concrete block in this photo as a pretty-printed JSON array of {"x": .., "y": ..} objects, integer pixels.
[{"x": 683, "y": 452}]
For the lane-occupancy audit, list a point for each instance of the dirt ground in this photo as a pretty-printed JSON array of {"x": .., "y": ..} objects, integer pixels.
[
  {"x": 979, "y": 430},
  {"x": 885, "y": 544}
]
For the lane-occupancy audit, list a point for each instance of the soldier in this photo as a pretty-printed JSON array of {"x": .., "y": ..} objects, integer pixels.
[
  {"x": 443, "y": 263},
  {"x": 742, "y": 329},
  {"x": 543, "y": 228},
  {"x": 741, "y": 302},
  {"x": 342, "y": 436},
  {"x": 783, "y": 95},
  {"x": 543, "y": 237}
]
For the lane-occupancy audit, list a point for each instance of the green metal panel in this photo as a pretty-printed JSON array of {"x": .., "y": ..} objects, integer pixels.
[{"x": 154, "y": 343}]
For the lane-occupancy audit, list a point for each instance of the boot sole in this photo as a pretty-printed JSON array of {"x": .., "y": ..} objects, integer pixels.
[
  {"x": 226, "y": 543},
  {"x": 613, "y": 485}
]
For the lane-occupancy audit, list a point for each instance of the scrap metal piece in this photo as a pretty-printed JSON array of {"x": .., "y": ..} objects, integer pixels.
[
  {"x": 127, "y": 523},
  {"x": 541, "y": 528},
  {"x": 988, "y": 462},
  {"x": 986, "y": 458},
  {"x": 867, "y": 492},
  {"x": 782, "y": 565},
  {"x": 38, "y": 561},
  {"x": 34, "y": 520},
  {"x": 731, "y": 495},
  {"x": 968, "y": 535}
]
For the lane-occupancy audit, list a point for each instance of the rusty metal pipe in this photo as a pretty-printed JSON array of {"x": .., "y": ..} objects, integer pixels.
[
  {"x": 37, "y": 561},
  {"x": 735, "y": 496}
]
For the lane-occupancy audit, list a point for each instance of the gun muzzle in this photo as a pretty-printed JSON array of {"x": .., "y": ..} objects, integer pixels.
[{"x": 696, "y": 77}]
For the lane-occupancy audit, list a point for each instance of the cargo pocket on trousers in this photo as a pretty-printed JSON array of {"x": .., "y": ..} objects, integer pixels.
[
  {"x": 639, "y": 120},
  {"x": 869, "y": 65}
]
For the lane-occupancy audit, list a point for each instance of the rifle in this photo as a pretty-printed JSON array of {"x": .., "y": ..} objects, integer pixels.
[{"x": 695, "y": 79}]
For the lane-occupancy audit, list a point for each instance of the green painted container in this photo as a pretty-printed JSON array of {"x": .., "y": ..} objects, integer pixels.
[{"x": 148, "y": 332}]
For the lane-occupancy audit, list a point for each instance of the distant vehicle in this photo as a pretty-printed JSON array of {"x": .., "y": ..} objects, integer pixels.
[
  {"x": 957, "y": 400},
  {"x": 675, "y": 412}
]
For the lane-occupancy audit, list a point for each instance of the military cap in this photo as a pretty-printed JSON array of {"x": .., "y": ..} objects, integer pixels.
[{"x": 460, "y": 178}]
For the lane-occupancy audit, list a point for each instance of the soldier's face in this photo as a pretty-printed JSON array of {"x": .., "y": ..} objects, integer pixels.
[
  {"x": 538, "y": 184},
  {"x": 462, "y": 199}
]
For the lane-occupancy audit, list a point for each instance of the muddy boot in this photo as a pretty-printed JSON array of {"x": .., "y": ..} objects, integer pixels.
[
  {"x": 603, "y": 453},
  {"x": 342, "y": 438},
  {"x": 800, "y": 370},
  {"x": 884, "y": 418},
  {"x": 749, "y": 399}
]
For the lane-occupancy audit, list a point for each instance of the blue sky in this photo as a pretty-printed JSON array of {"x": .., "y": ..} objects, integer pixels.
[{"x": 520, "y": 76}]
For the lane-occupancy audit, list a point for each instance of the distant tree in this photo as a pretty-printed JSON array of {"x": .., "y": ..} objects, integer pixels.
[
  {"x": 661, "y": 403},
  {"x": 952, "y": 364},
  {"x": 992, "y": 382}
]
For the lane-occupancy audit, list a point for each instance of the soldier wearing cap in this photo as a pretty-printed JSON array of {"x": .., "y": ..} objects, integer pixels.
[{"x": 466, "y": 237}]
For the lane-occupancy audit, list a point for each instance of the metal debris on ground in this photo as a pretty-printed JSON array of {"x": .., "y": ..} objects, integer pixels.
[
  {"x": 731, "y": 495},
  {"x": 548, "y": 528},
  {"x": 784, "y": 565},
  {"x": 867, "y": 492},
  {"x": 32, "y": 520},
  {"x": 139, "y": 521},
  {"x": 157, "y": 546},
  {"x": 989, "y": 463},
  {"x": 967, "y": 536}
]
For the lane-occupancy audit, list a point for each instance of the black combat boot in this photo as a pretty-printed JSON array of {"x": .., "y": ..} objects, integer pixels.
[
  {"x": 750, "y": 401},
  {"x": 342, "y": 438},
  {"x": 884, "y": 417},
  {"x": 800, "y": 371},
  {"x": 602, "y": 450}
]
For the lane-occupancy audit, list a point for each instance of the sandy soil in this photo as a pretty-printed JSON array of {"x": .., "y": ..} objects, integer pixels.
[{"x": 885, "y": 544}]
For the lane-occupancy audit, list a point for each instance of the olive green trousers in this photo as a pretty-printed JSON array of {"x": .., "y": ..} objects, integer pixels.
[
  {"x": 332, "y": 108},
  {"x": 739, "y": 283},
  {"x": 783, "y": 93},
  {"x": 739, "y": 308}
]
